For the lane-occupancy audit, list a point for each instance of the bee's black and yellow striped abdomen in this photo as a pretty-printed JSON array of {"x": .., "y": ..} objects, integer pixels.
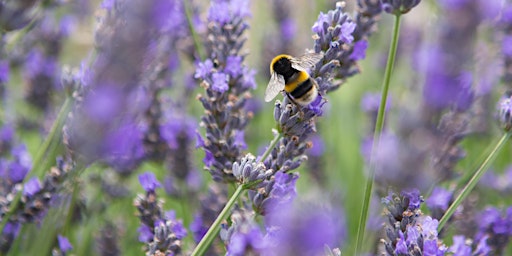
[{"x": 297, "y": 83}]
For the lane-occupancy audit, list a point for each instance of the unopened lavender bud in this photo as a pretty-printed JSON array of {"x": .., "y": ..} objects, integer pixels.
[
  {"x": 504, "y": 111},
  {"x": 248, "y": 171},
  {"x": 398, "y": 7}
]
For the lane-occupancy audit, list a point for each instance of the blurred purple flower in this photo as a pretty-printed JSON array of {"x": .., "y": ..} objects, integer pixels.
[
  {"x": 6, "y": 134},
  {"x": 288, "y": 29},
  {"x": 64, "y": 244},
  {"x": 304, "y": 229},
  {"x": 240, "y": 241},
  {"x": 371, "y": 102},
  {"x": 197, "y": 228},
  {"x": 318, "y": 147},
  {"x": 439, "y": 198},
  {"x": 145, "y": 234},
  {"x": 219, "y": 12},
  {"x": 506, "y": 46},
  {"x": 31, "y": 187},
  {"x": 359, "y": 51},
  {"x": 4, "y": 71},
  {"x": 108, "y": 4},
  {"x": 453, "y": 4},
  {"x": 443, "y": 90},
  {"x": 495, "y": 227},
  {"x": 490, "y": 9},
  {"x": 104, "y": 104},
  {"x": 248, "y": 78},
  {"x": 20, "y": 165},
  {"x": 414, "y": 197},
  {"x": 149, "y": 182},
  {"x": 460, "y": 247},
  {"x": 38, "y": 64}
]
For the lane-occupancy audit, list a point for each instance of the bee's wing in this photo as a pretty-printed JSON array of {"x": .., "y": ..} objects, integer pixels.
[
  {"x": 306, "y": 61},
  {"x": 275, "y": 85}
]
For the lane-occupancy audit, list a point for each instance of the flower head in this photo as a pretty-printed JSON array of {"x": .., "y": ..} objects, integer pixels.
[
  {"x": 398, "y": 7},
  {"x": 32, "y": 187},
  {"x": 504, "y": 113},
  {"x": 64, "y": 244},
  {"x": 149, "y": 182}
]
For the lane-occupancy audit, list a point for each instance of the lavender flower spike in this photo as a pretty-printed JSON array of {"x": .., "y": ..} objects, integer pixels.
[
  {"x": 408, "y": 231},
  {"x": 227, "y": 83}
]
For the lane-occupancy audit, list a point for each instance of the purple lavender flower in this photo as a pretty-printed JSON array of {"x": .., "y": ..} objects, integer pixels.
[
  {"x": 242, "y": 243},
  {"x": 149, "y": 182},
  {"x": 4, "y": 71},
  {"x": 359, "y": 51},
  {"x": 337, "y": 35},
  {"x": 64, "y": 244},
  {"x": 145, "y": 234},
  {"x": 304, "y": 228},
  {"x": 6, "y": 138},
  {"x": 277, "y": 192},
  {"x": 460, "y": 246},
  {"x": 244, "y": 236},
  {"x": 439, "y": 201},
  {"x": 495, "y": 227},
  {"x": 8, "y": 235},
  {"x": 203, "y": 69},
  {"x": 220, "y": 82},
  {"x": 408, "y": 231},
  {"x": 227, "y": 85},
  {"x": 161, "y": 231},
  {"x": 32, "y": 187},
  {"x": 20, "y": 165}
]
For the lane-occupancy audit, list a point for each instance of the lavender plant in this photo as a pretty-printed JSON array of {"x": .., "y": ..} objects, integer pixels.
[{"x": 129, "y": 114}]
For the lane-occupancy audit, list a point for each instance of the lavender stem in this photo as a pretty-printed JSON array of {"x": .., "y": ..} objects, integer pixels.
[
  {"x": 40, "y": 164},
  {"x": 193, "y": 33},
  {"x": 273, "y": 143},
  {"x": 377, "y": 133},
  {"x": 473, "y": 181},
  {"x": 215, "y": 227}
]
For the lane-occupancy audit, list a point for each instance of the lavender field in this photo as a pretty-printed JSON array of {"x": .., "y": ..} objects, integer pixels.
[{"x": 134, "y": 127}]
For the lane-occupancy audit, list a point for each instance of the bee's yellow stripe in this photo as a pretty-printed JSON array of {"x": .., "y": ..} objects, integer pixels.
[{"x": 292, "y": 85}]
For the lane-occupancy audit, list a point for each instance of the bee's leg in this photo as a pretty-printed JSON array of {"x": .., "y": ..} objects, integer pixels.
[{"x": 291, "y": 98}]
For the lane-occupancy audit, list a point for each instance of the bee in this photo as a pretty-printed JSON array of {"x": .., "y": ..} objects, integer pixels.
[{"x": 289, "y": 74}]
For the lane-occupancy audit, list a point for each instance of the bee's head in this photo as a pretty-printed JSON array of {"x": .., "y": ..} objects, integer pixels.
[{"x": 281, "y": 64}]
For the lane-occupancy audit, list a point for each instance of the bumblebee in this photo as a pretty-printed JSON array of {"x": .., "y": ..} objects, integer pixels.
[{"x": 290, "y": 74}]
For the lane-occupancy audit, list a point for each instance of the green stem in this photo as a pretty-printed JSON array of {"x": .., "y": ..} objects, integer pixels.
[
  {"x": 193, "y": 33},
  {"x": 215, "y": 227},
  {"x": 473, "y": 181},
  {"x": 39, "y": 164},
  {"x": 379, "y": 125},
  {"x": 267, "y": 152}
]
